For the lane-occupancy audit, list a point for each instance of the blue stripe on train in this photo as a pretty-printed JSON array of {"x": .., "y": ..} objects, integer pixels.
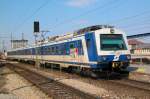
[
  {"x": 91, "y": 46},
  {"x": 109, "y": 58}
]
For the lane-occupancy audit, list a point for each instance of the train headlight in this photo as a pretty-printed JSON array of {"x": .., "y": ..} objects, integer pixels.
[
  {"x": 128, "y": 57},
  {"x": 112, "y": 31},
  {"x": 104, "y": 58}
]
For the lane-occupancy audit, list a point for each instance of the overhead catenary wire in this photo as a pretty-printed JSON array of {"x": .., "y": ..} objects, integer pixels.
[
  {"x": 30, "y": 16},
  {"x": 130, "y": 17},
  {"x": 110, "y": 7},
  {"x": 20, "y": 25},
  {"x": 138, "y": 29},
  {"x": 118, "y": 20},
  {"x": 135, "y": 25},
  {"x": 85, "y": 13},
  {"x": 78, "y": 16},
  {"x": 147, "y": 21},
  {"x": 4, "y": 37}
]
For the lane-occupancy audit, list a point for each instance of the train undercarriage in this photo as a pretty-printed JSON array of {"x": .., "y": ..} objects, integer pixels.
[{"x": 106, "y": 70}]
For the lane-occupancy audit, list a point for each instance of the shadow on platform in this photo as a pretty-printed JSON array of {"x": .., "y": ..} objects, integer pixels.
[{"x": 132, "y": 68}]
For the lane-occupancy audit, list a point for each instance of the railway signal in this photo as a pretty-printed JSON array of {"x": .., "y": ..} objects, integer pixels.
[{"x": 36, "y": 31}]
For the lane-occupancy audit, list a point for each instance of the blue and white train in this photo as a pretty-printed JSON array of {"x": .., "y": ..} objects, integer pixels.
[{"x": 95, "y": 48}]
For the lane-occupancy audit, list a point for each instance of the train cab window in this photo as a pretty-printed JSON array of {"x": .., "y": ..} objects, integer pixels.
[{"x": 112, "y": 42}]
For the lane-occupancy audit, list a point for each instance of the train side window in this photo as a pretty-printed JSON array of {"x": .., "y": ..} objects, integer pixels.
[
  {"x": 50, "y": 50},
  {"x": 53, "y": 49},
  {"x": 46, "y": 50},
  {"x": 29, "y": 51},
  {"x": 79, "y": 44},
  {"x": 80, "y": 49},
  {"x": 56, "y": 50},
  {"x": 65, "y": 49},
  {"x": 71, "y": 45},
  {"x": 60, "y": 49}
]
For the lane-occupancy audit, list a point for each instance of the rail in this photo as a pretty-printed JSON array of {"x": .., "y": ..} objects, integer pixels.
[{"x": 49, "y": 86}]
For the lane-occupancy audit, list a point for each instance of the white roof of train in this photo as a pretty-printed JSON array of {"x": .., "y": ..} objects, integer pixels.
[{"x": 69, "y": 35}]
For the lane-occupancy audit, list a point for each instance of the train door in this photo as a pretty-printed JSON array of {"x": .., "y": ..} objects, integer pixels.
[{"x": 91, "y": 46}]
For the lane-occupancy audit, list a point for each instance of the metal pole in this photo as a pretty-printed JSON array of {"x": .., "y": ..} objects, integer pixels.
[
  {"x": 3, "y": 45},
  {"x": 36, "y": 52},
  {"x": 141, "y": 61},
  {"x": 36, "y": 31},
  {"x": 42, "y": 42},
  {"x": 11, "y": 41}
]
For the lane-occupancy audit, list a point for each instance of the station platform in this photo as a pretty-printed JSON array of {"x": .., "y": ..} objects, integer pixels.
[
  {"x": 140, "y": 72},
  {"x": 141, "y": 68}
]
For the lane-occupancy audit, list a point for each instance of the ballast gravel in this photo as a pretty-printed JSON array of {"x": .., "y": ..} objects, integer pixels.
[{"x": 19, "y": 88}]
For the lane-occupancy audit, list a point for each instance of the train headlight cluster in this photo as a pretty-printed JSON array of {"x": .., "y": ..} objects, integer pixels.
[
  {"x": 112, "y": 31},
  {"x": 128, "y": 57},
  {"x": 103, "y": 58}
]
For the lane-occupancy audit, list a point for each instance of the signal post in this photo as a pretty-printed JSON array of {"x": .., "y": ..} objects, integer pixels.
[{"x": 36, "y": 32}]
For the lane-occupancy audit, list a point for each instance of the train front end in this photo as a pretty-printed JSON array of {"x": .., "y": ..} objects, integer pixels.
[{"x": 113, "y": 53}]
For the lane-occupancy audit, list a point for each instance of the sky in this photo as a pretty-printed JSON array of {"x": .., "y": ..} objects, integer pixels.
[{"x": 64, "y": 16}]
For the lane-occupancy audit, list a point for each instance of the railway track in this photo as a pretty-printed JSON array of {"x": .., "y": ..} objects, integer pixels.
[
  {"x": 122, "y": 79},
  {"x": 119, "y": 87},
  {"x": 133, "y": 83},
  {"x": 49, "y": 86},
  {"x": 117, "y": 79}
]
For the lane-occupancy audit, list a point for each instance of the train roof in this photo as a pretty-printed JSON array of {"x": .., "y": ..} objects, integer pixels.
[
  {"x": 69, "y": 35},
  {"x": 79, "y": 32},
  {"x": 91, "y": 28}
]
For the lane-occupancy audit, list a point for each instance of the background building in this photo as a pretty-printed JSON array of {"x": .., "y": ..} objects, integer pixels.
[
  {"x": 140, "y": 51},
  {"x": 134, "y": 44},
  {"x": 18, "y": 43}
]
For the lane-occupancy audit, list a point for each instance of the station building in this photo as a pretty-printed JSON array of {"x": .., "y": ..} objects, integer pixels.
[{"x": 138, "y": 47}]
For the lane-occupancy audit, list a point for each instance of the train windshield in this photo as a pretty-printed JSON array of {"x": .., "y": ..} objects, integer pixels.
[{"x": 112, "y": 42}]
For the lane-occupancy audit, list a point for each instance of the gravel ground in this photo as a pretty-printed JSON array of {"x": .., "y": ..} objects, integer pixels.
[
  {"x": 14, "y": 86},
  {"x": 75, "y": 83},
  {"x": 142, "y": 68},
  {"x": 119, "y": 91},
  {"x": 139, "y": 76},
  {"x": 139, "y": 72},
  {"x": 102, "y": 88}
]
